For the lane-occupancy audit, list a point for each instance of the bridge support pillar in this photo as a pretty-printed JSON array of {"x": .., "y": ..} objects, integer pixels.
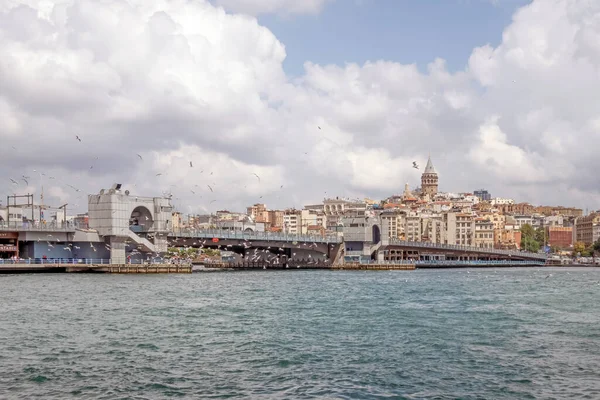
[{"x": 117, "y": 250}]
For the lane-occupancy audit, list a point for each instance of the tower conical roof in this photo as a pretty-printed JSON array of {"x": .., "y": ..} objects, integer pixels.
[{"x": 429, "y": 169}]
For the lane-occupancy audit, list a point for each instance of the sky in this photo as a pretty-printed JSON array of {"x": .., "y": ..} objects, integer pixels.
[{"x": 319, "y": 98}]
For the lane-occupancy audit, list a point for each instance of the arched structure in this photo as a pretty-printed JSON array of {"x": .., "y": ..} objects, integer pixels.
[
  {"x": 141, "y": 220},
  {"x": 120, "y": 217},
  {"x": 376, "y": 234}
]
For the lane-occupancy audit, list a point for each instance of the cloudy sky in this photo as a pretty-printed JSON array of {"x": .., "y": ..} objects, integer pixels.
[{"x": 502, "y": 93}]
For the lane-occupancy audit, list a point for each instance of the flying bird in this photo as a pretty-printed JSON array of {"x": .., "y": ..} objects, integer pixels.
[
  {"x": 319, "y": 127},
  {"x": 140, "y": 157},
  {"x": 78, "y": 138},
  {"x": 211, "y": 189},
  {"x": 415, "y": 165},
  {"x": 26, "y": 182},
  {"x": 258, "y": 177},
  {"x": 191, "y": 165},
  {"x": 13, "y": 181},
  {"x": 159, "y": 174}
]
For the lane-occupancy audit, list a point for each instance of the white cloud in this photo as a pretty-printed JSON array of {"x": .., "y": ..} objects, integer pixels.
[
  {"x": 176, "y": 81},
  {"x": 286, "y": 7}
]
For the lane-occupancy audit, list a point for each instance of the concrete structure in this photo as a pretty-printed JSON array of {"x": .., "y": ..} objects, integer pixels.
[
  {"x": 498, "y": 201},
  {"x": 483, "y": 195},
  {"x": 522, "y": 220},
  {"x": 460, "y": 228},
  {"x": 516, "y": 209},
  {"x": 412, "y": 228},
  {"x": 121, "y": 218},
  {"x": 559, "y": 237},
  {"x": 395, "y": 222},
  {"x": 484, "y": 233},
  {"x": 559, "y": 210},
  {"x": 433, "y": 229},
  {"x": 364, "y": 236},
  {"x": 258, "y": 213},
  {"x": 585, "y": 230},
  {"x": 429, "y": 180}
]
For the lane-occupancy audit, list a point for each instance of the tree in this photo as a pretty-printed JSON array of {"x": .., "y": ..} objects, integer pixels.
[
  {"x": 596, "y": 246},
  {"x": 578, "y": 248},
  {"x": 530, "y": 244},
  {"x": 528, "y": 239},
  {"x": 540, "y": 235},
  {"x": 527, "y": 231}
]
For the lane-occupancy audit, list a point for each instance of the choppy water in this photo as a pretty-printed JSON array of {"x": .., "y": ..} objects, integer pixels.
[{"x": 506, "y": 333}]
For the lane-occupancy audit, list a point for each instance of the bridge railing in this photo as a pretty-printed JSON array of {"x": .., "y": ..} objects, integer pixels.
[
  {"x": 473, "y": 249},
  {"x": 245, "y": 235},
  {"x": 73, "y": 261},
  {"x": 24, "y": 226},
  {"x": 477, "y": 262}
]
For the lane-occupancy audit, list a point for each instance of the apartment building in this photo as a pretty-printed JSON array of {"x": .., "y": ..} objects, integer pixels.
[
  {"x": 412, "y": 230},
  {"x": 395, "y": 222},
  {"x": 587, "y": 229},
  {"x": 459, "y": 228},
  {"x": 484, "y": 233}
]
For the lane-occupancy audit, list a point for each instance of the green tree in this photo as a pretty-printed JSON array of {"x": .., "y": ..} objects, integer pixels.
[
  {"x": 578, "y": 248},
  {"x": 596, "y": 246},
  {"x": 528, "y": 239},
  {"x": 527, "y": 231},
  {"x": 540, "y": 235},
  {"x": 530, "y": 244}
]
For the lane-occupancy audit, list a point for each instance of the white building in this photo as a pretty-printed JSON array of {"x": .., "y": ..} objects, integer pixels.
[
  {"x": 499, "y": 201},
  {"x": 521, "y": 220},
  {"x": 122, "y": 218}
]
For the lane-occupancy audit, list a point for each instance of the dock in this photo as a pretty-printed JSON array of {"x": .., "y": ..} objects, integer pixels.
[
  {"x": 373, "y": 267},
  {"x": 256, "y": 266},
  {"x": 97, "y": 268}
]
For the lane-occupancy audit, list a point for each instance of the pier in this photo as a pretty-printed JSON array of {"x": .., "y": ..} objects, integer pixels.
[{"x": 89, "y": 266}]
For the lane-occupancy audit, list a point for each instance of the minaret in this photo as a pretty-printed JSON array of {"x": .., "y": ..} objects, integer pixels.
[
  {"x": 406, "y": 194},
  {"x": 429, "y": 180}
]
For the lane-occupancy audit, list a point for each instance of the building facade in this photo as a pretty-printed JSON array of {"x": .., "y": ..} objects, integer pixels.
[
  {"x": 484, "y": 233},
  {"x": 584, "y": 228},
  {"x": 483, "y": 195},
  {"x": 559, "y": 237}
]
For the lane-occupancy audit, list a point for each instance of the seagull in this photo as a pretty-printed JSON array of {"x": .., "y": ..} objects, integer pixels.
[
  {"x": 258, "y": 177},
  {"x": 140, "y": 157},
  {"x": 78, "y": 138},
  {"x": 191, "y": 165},
  {"x": 211, "y": 189},
  {"x": 13, "y": 181},
  {"x": 159, "y": 174},
  {"x": 415, "y": 165}
]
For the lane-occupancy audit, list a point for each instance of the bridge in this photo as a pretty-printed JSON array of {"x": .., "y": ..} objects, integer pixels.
[
  {"x": 401, "y": 249},
  {"x": 315, "y": 247},
  {"x": 259, "y": 245}
]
